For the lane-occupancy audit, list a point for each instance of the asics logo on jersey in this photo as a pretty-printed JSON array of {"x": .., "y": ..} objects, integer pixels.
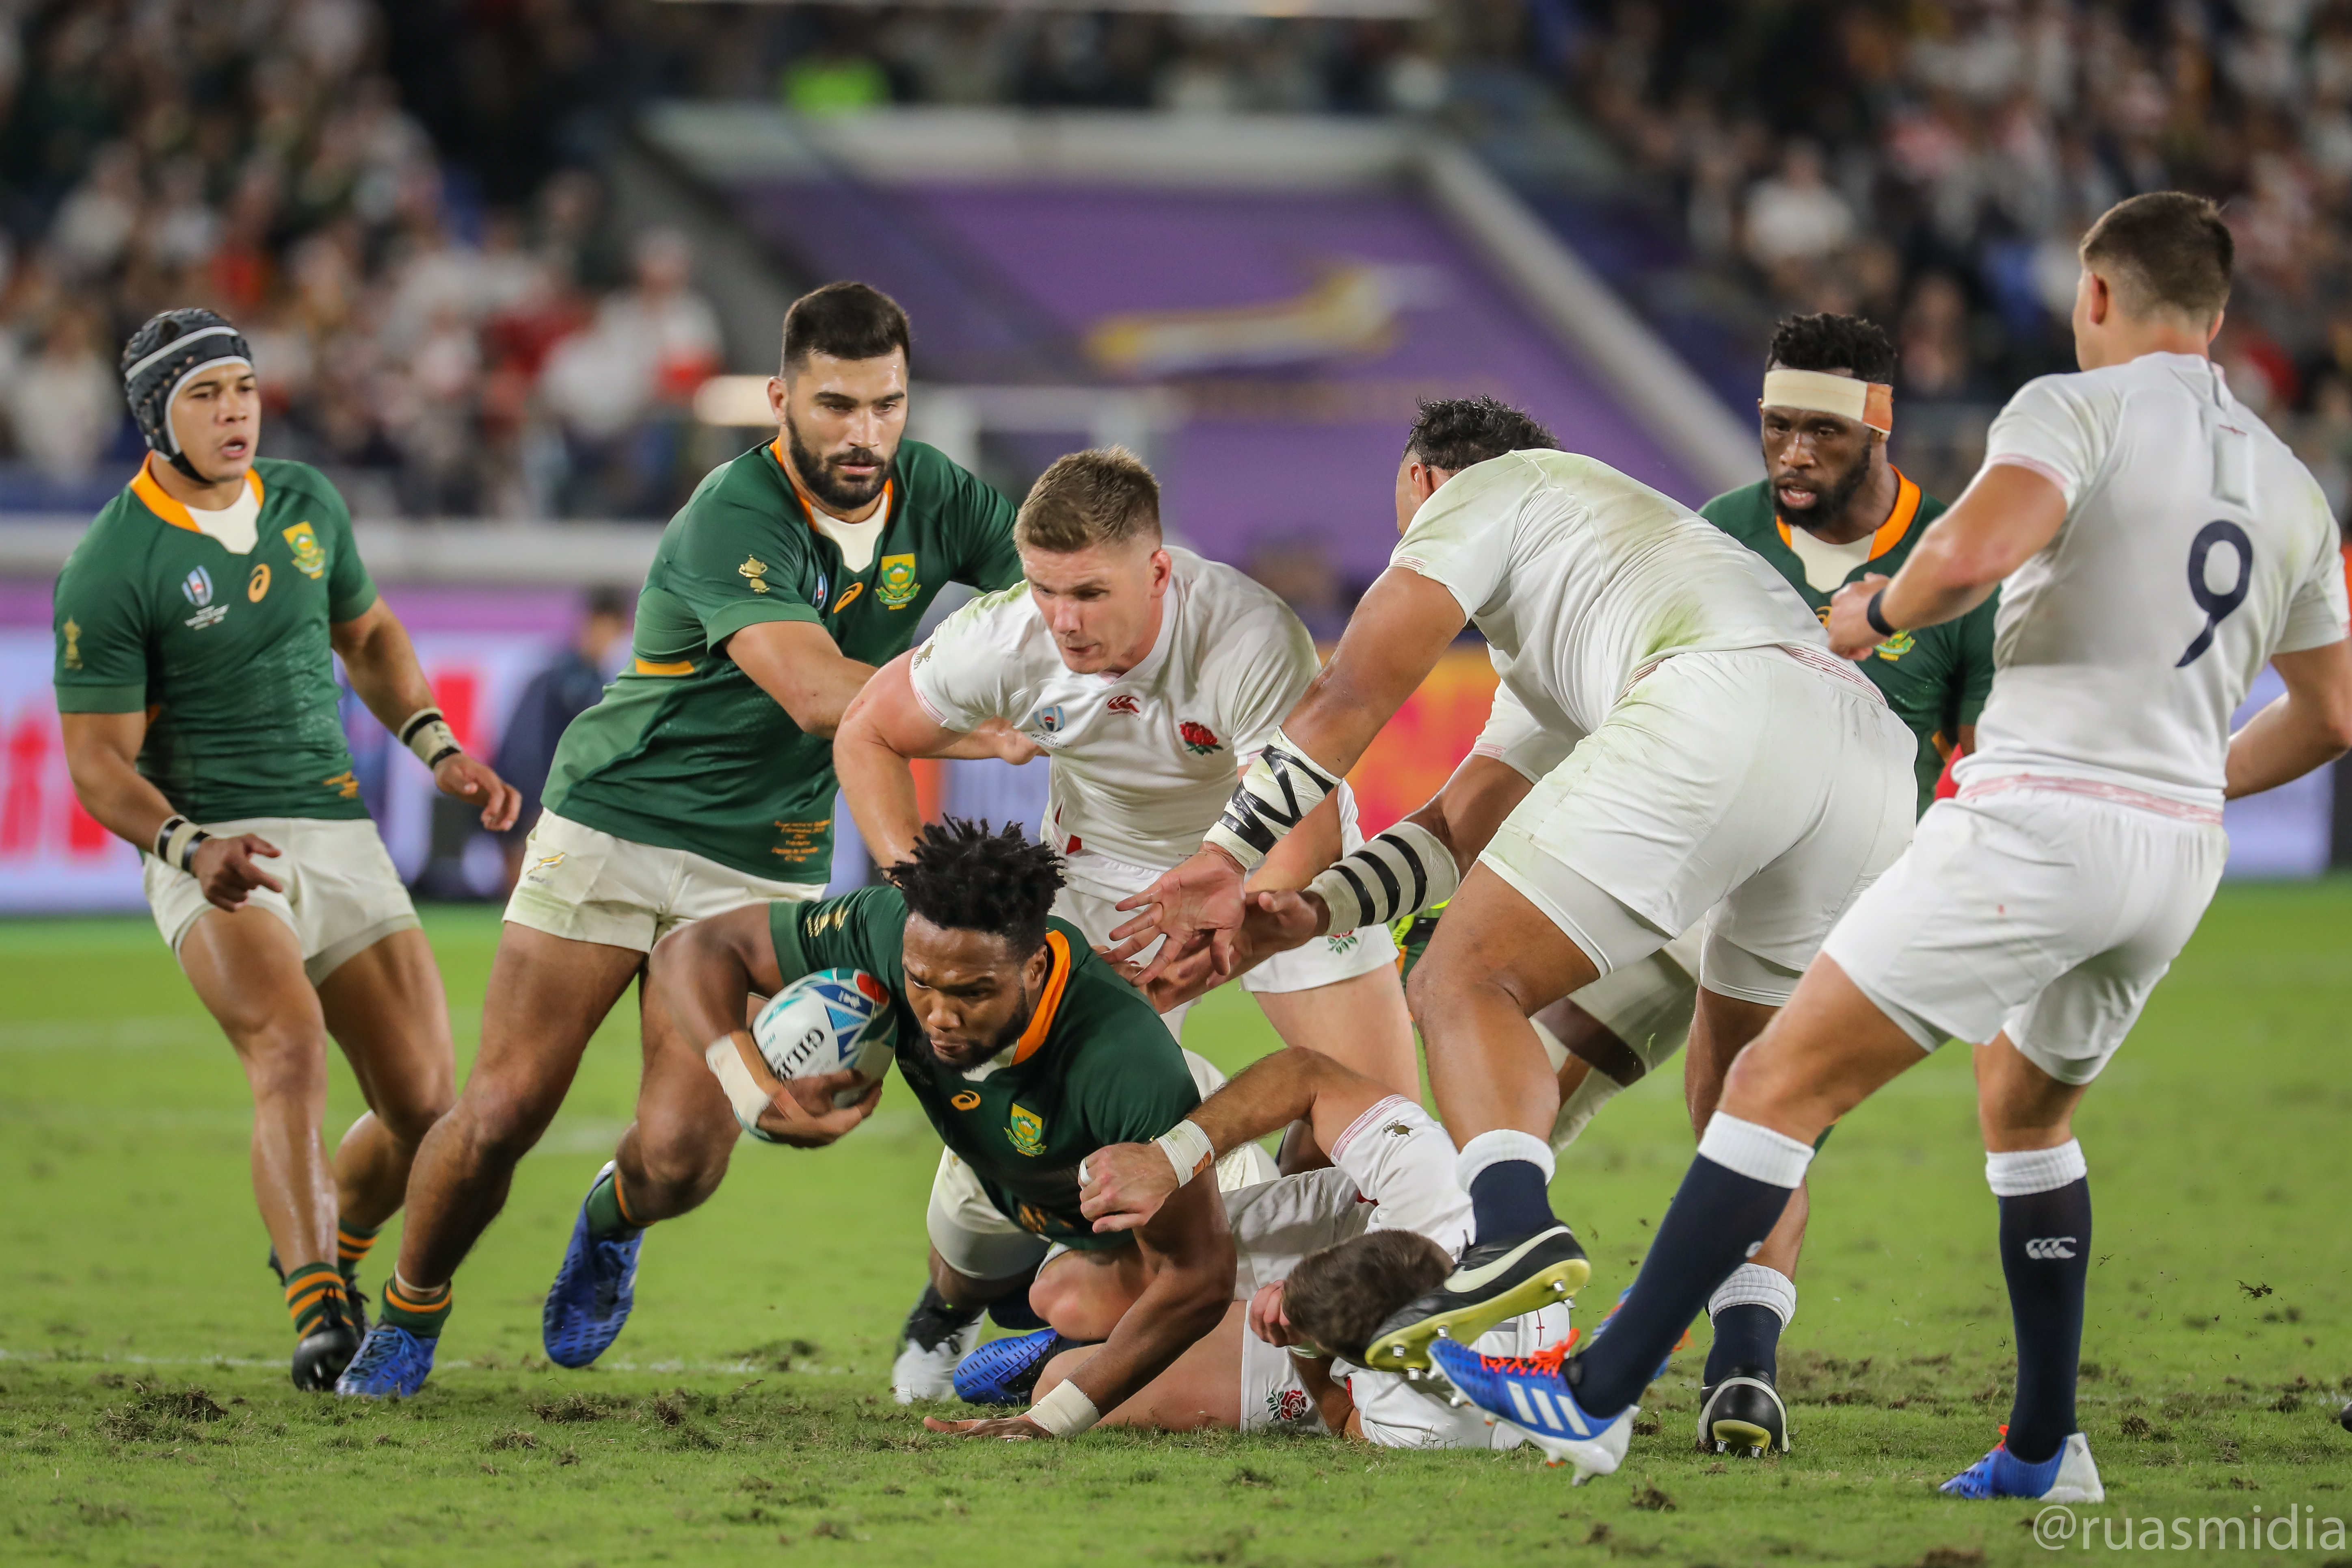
[
  {"x": 1123, "y": 703},
  {"x": 2046, "y": 1247}
]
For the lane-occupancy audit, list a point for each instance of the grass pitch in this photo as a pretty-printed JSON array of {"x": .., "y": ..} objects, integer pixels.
[{"x": 145, "y": 1414}]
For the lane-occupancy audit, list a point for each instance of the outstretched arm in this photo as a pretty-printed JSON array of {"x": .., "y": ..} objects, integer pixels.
[
  {"x": 382, "y": 666},
  {"x": 1392, "y": 642},
  {"x": 1126, "y": 1184},
  {"x": 705, "y": 973},
  {"x": 2007, "y": 515},
  {"x": 884, "y": 728}
]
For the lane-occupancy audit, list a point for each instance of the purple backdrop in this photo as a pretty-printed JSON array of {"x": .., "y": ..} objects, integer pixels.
[{"x": 1004, "y": 282}]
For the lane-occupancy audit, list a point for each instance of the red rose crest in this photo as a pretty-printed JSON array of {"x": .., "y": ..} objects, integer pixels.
[{"x": 1198, "y": 739}]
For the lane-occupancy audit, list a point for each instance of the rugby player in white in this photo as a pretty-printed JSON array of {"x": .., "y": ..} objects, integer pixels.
[
  {"x": 1707, "y": 750},
  {"x": 2158, "y": 545},
  {"x": 1325, "y": 1256},
  {"x": 1147, "y": 676}
]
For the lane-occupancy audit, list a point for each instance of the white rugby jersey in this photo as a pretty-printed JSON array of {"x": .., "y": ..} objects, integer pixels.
[
  {"x": 1142, "y": 762},
  {"x": 2195, "y": 546},
  {"x": 1578, "y": 576},
  {"x": 1513, "y": 738}
]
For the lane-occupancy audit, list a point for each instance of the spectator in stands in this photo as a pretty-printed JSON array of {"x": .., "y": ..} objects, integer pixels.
[
  {"x": 63, "y": 402},
  {"x": 558, "y": 694},
  {"x": 1795, "y": 218}
]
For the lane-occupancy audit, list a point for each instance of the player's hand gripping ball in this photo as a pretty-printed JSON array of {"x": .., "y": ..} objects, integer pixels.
[{"x": 835, "y": 1020}]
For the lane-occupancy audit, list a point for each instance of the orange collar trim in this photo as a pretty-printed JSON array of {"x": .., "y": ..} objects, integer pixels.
[
  {"x": 808, "y": 506},
  {"x": 159, "y": 501},
  {"x": 1041, "y": 1022},
  {"x": 1890, "y": 532}
]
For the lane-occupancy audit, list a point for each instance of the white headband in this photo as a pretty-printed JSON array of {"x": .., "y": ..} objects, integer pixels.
[{"x": 1870, "y": 403}]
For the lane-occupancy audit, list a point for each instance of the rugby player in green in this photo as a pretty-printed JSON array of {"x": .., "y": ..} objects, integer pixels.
[
  {"x": 701, "y": 782},
  {"x": 197, "y": 623},
  {"x": 1026, "y": 1052}
]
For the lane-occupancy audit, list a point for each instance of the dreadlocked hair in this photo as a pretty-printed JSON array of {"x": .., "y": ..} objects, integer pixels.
[{"x": 970, "y": 876}]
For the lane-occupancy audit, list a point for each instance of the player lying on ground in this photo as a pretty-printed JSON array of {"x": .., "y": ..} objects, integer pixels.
[
  {"x": 2158, "y": 545},
  {"x": 1697, "y": 746},
  {"x": 1147, "y": 676},
  {"x": 1324, "y": 1258},
  {"x": 1027, "y": 1052},
  {"x": 197, "y": 623},
  {"x": 702, "y": 783}
]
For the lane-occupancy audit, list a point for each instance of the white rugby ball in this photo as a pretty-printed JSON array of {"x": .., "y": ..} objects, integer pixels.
[{"x": 825, "y": 1022}]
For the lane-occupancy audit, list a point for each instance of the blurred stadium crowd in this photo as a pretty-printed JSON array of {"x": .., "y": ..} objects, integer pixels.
[{"x": 398, "y": 201}]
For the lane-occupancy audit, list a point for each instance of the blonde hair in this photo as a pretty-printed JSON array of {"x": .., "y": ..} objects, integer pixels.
[{"x": 1101, "y": 496}]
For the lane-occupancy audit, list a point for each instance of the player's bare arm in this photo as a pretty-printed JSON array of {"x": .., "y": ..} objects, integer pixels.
[
  {"x": 884, "y": 728},
  {"x": 704, "y": 973},
  {"x": 1392, "y": 642},
  {"x": 1462, "y": 817},
  {"x": 1126, "y": 1184},
  {"x": 382, "y": 662},
  {"x": 2307, "y": 727},
  {"x": 101, "y": 757},
  {"x": 2007, "y": 515},
  {"x": 1188, "y": 1255}
]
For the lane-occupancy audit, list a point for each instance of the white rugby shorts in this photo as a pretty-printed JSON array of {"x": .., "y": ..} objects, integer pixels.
[
  {"x": 583, "y": 884},
  {"x": 1770, "y": 781},
  {"x": 2046, "y": 908},
  {"x": 978, "y": 1240},
  {"x": 342, "y": 893}
]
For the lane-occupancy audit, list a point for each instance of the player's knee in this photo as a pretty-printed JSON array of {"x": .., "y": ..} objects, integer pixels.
[
  {"x": 678, "y": 1167},
  {"x": 284, "y": 1062},
  {"x": 409, "y": 1116},
  {"x": 499, "y": 1121},
  {"x": 1078, "y": 1301}
]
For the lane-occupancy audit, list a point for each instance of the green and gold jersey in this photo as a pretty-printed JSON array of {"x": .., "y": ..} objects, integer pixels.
[
  {"x": 1935, "y": 680},
  {"x": 686, "y": 751},
  {"x": 228, "y": 655},
  {"x": 1094, "y": 1066}
]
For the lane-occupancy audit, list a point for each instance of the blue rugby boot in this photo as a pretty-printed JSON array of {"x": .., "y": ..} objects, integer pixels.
[
  {"x": 1529, "y": 1393},
  {"x": 2067, "y": 1475},
  {"x": 393, "y": 1364},
  {"x": 1004, "y": 1372},
  {"x": 589, "y": 1303}
]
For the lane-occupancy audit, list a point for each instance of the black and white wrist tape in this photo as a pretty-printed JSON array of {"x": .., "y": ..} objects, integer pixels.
[
  {"x": 177, "y": 841},
  {"x": 1278, "y": 791},
  {"x": 427, "y": 734},
  {"x": 1403, "y": 871}
]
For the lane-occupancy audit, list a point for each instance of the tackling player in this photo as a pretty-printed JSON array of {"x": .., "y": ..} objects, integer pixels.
[
  {"x": 1324, "y": 1258},
  {"x": 1148, "y": 675},
  {"x": 197, "y": 623},
  {"x": 1706, "y": 749},
  {"x": 1026, "y": 1052},
  {"x": 2157, "y": 544},
  {"x": 702, "y": 783}
]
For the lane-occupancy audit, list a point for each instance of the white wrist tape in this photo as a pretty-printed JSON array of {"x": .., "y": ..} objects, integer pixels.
[
  {"x": 743, "y": 1092},
  {"x": 1186, "y": 1147},
  {"x": 177, "y": 841},
  {"x": 1402, "y": 872},
  {"x": 1279, "y": 789},
  {"x": 1066, "y": 1411},
  {"x": 427, "y": 734}
]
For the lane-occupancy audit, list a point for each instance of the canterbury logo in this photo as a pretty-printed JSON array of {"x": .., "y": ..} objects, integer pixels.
[{"x": 2049, "y": 1246}]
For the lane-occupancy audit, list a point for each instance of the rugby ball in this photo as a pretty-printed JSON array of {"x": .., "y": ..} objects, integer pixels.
[{"x": 824, "y": 1022}]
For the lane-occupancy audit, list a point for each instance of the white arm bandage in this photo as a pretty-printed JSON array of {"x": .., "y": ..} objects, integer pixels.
[
  {"x": 1066, "y": 1411},
  {"x": 177, "y": 841},
  {"x": 1278, "y": 791},
  {"x": 1402, "y": 871},
  {"x": 427, "y": 734},
  {"x": 1187, "y": 1148},
  {"x": 743, "y": 1092}
]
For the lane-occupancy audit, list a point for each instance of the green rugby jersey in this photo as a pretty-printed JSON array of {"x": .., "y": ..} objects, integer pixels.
[
  {"x": 1935, "y": 680},
  {"x": 686, "y": 751},
  {"x": 1094, "y": 1066},
  {"x": 228, "y": 655}
]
